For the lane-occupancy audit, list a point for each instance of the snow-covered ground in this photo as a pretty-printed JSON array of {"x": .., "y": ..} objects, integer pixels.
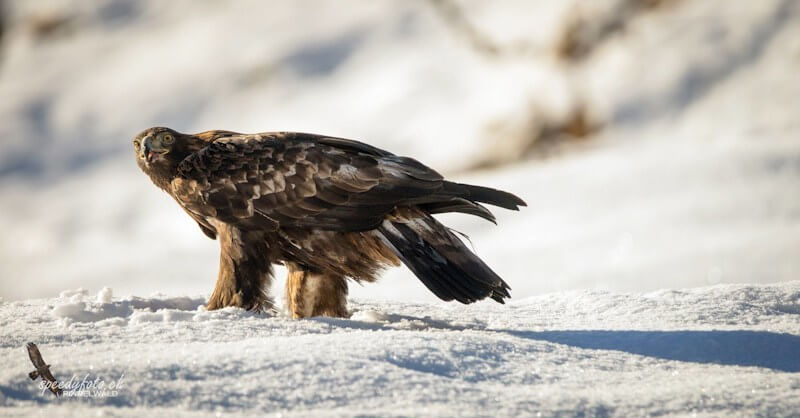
[
  {"x": 714, "y": 351},
  {"x": 692, "y": 181}
]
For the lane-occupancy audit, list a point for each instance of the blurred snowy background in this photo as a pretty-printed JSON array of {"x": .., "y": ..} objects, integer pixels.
[{"x": 656, "y": 142}]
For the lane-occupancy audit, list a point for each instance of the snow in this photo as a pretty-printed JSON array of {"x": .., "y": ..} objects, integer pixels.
[
  {"x": 655, "y": 270},
  {"x": 104, "y": 295},
  {"x": 719, "y": 350}
]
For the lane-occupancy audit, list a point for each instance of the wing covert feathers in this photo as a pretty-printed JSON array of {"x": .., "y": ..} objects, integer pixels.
[{"x": 268, "y": 181}]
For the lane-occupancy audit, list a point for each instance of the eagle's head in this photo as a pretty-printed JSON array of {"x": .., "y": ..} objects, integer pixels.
[
  {"x": 159, "y": 151},
  {"x": 153, "y": 145}
]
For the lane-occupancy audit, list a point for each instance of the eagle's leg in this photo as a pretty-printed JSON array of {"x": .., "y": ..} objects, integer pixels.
[
  {"x": 310, "y": 293},
  {"x": 245, "y": 272}
]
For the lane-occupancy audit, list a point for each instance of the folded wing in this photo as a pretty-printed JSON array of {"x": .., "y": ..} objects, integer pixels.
[{"x": 271, "y": 181}]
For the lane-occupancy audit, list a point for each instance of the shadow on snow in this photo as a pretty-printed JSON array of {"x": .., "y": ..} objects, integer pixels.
[
  {"x": 736, "y": 348},
  {"x": 776, "y": 351}
]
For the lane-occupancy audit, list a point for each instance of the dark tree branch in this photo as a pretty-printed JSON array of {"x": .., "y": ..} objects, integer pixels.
[{"x": 455, "y": 18}]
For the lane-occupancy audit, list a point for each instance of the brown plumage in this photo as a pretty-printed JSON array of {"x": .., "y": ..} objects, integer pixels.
[
  {"x": 42, "y": 369},
  {"x": 328, "y": 208}
]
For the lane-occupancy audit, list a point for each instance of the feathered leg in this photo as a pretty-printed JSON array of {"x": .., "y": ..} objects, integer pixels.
[
  {"x": 245, "y": 272},
  {"x": 311, "y": 294}
]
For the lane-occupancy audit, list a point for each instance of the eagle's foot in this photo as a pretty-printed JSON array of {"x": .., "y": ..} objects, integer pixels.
[
  {"x": 252, "y": 294},
  {"x": 310, "y": 294},
  {"x": 223, "y": 299}
]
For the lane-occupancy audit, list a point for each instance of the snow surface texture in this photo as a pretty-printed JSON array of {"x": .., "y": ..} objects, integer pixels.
[{"x": 720, "y": 350}]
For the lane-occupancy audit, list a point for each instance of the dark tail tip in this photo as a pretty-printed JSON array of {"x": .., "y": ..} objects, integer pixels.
[
  {"x": 488, "y": 195},
  {"x": 459, "y": 205},
  {"x": 461, "y": 276}
]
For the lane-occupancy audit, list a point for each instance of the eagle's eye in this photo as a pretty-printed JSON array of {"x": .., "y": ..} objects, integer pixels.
[{"x": 168, "y": 139}]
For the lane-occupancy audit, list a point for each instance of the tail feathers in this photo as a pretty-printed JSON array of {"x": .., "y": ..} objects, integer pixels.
[
  {"x": 459, "y": 205},
  {"x": 485, "y": 195},
  {"x": 442, "y": 262}
]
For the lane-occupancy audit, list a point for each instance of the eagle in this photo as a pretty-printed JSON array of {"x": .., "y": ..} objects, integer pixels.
[
  {"x": 42, "y": 369},
  {"x": 329, "y": 209}
]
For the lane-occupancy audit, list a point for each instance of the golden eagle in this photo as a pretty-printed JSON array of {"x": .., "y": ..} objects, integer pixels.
[{"x": 328, "y": 208}]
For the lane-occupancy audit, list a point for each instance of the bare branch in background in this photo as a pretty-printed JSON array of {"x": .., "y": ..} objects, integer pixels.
[
  {"x": 453, "y": 15},
  {"x": 583, "y": 35},
  {"x": 2, "y": 21},
  {"x": 537, "y": 137},
  {"x": 50, "y": 25},
  {"x": 540, "y": 135}
]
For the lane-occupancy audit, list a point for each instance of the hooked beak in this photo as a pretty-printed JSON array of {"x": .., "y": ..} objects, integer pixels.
[{"x": 151, "y": 151}]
